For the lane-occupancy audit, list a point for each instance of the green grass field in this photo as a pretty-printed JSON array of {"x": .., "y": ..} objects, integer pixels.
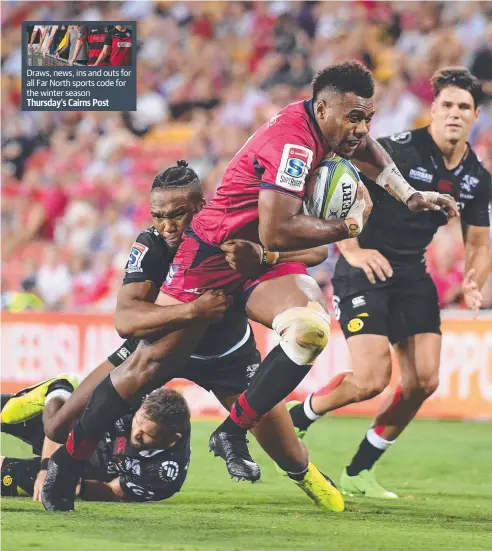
[{"x": 441, "y": 470}]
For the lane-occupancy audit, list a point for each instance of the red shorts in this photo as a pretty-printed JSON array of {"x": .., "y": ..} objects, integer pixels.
[{"x": 199, "y": 266}]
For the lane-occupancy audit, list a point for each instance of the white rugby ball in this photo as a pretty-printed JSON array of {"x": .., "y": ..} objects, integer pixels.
[{"x": 331, "y": 189}]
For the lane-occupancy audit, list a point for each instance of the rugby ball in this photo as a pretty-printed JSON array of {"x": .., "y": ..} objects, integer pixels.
[{"x": 331, "y": 189}]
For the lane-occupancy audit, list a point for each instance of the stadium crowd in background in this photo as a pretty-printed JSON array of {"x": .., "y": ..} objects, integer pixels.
[{"x": 75, "y": 184}]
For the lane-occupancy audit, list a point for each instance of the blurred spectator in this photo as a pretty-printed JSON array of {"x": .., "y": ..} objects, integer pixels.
[
  {"x": 53, "y": 279},
  {"x": 482, "y": 64}
]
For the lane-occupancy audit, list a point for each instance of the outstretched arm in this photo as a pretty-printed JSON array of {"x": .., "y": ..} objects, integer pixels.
[{"x": 372, "y": 159}]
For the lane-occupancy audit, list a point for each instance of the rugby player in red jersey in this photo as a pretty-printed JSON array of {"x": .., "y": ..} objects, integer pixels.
[{"x": 259, "y": 199}]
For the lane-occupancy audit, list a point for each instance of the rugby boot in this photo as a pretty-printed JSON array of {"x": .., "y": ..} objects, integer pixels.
[
  {"x": 321, "y": 489},
  {"x": 29, "y": 402},
  {"x": 233, "y": 449},
  {"x": 364, "y": 484}
]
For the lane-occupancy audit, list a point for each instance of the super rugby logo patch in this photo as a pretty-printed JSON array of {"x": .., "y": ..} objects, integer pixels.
[
  {"x": 294, "y": 166},
  {"x": 137, "y": 253}
]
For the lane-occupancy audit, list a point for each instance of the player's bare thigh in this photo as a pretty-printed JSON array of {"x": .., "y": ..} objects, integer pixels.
[
  {"x": 370, "y": 358},
  {"x": 58, "y": 422},
  {"x": 154, "y": 362},
  {"x": 274, "y": 296}
]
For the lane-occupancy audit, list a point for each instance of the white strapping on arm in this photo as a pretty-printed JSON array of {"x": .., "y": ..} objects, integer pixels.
[{"x": 393, "y": 182}]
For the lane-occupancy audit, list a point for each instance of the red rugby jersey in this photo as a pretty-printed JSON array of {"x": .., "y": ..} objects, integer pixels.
[
  {"x": 121, "y": 43},
  {"x": 279, "y": 156}
]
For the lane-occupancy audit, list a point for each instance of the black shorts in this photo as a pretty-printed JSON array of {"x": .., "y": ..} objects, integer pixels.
[
  {"x": 19, "y": 475},
  {"x": 226, "y": 374},
  {"x": 403, "y": 306}
]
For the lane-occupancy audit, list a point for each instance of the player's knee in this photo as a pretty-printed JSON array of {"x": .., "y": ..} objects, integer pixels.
[
  {"x": 423, "y": 385},
  {"x": 304, "y": 333},
  {"x": 372, "y": 386}
]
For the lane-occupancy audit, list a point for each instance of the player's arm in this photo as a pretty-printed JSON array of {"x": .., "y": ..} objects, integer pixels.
[
  {"x": 94, "y": 490},
  {"x": 49, "y": 448},
  {"x": 137, "y": 316},
  {"x": 78, "y": 46},
  {"x": 104, "y": 53},
  {"x": 372, "y": 159},
  {"x": 282, "y": 226},
  {"x": 477, "y": 252},
  {"x": 250, "y": 258},
  {"x": 49, "y": 40},
  {"x": 475, "y": 224}
]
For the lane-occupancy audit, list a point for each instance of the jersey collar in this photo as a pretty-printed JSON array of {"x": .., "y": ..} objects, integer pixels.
[{"x": 437, "y": 156}]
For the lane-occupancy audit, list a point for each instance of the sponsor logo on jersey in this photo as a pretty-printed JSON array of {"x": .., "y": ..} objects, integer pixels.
[
  {"x": 355, "y": 325},
  {"x": 358, "y": 302},
  {"x": 401, "y": 137},
  {"x": 421, "y": 174},
  {"x": 150, "y": 453},
  {"x": 469, "y": 182},
  {"x": 137, "y": 253},
  {"x": 195, "y": 291},
  {"x": 294, "y": 165},
  {"x": 444, "y": 186},
  {"x": 169, "y": 470},
  {"x": 170, "y": 275},
  {"x": 124, "y": 44}
]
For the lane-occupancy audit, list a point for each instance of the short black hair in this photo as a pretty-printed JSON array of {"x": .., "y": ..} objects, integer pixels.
[
  {"x": 168, "y": 408},
  {"x": 177, "y": 177},
  {"x": 460, "y": 77},
  {"x": 342, "y": 78}
]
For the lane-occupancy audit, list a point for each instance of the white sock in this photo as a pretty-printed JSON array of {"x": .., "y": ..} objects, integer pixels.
[
  {"x": 377, "y": 441},
  {"x": 308, "y": 410},
  {"x": 58, "y": 393}
]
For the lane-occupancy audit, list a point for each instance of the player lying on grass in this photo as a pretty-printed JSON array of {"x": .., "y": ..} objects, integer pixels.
[
  {"x": 143, "y": 457},
  {"x": 259, "y": 199},
  {"x": 383, "y": 292},
  {"x": 224, "y": 360}
]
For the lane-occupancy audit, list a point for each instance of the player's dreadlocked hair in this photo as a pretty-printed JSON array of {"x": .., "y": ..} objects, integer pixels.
[
  {"x": 168, "y": 408},
  {"x": 177, "y": 177},
  {"x": 459, "y": 77},
  {"x": 341, "y": 78}
]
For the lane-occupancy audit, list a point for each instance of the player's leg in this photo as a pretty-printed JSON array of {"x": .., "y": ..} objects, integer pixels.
[
  {"x": 415, "y": 334},
  {"x": 419, "y": 358},
  {"x": 62, "y": 410},
  {"x": 18, "y": 476},
  {"x": 371, "y": 362},
  {"x": 365, "y": 327},
  {"x": 150, "y": 365},
  {"x": 276, "y": 435},
  {"x": 294, "y": 306}
]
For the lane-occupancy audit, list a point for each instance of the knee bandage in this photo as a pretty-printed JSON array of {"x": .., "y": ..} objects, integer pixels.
[{"x": 303, "y": 331}]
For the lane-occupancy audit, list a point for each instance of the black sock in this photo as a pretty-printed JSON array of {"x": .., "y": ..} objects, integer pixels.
[
  {"x": 62, "y": 384},
  {"x": 104, "y": 408},
  {"x": 364, "y": 459},
  {"x": 274, "y": 380},
  {"x": 299, "y": 417},
  {"x": 298, "y": 476}
]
